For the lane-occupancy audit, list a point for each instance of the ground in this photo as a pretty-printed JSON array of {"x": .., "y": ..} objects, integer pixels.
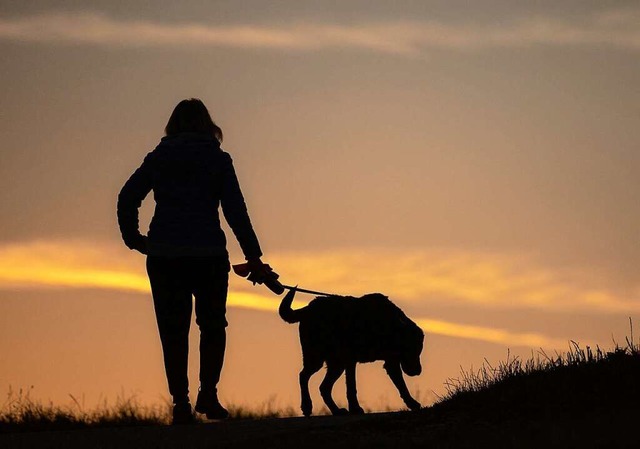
[
  {"x": 429, "y": 428},
  {"x": 581, "y": 399}
]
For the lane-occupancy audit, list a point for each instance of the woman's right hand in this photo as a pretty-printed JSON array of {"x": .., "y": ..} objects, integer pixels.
[
  {"x": 255, "y": 264},
  {"x": 262, "y": 273}
]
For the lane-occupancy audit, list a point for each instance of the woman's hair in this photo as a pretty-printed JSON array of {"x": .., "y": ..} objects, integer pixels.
[{"x": 191, "y": 115}]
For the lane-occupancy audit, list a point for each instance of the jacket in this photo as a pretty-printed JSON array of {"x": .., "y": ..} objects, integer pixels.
[{"x": 190, "y": 176}]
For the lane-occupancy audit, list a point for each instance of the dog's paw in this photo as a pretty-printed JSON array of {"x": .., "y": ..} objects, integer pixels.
[
  {"x": 340, "y": 412},
  {"x": 413, "y": 405},
  {"x": 356, "y": 410}
]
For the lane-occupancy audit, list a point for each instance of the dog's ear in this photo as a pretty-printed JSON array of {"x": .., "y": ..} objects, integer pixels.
[{"x": 407, "y": 323}]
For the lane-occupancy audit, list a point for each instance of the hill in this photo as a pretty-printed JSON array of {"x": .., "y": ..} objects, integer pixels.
[{"x": 583, "y": 398}]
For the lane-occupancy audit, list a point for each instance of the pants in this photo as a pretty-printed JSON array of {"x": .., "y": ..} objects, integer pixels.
[{"x": 173, "y": 281}]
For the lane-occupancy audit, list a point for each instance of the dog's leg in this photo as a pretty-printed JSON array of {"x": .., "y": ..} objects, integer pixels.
[
  {"x": 307, "y": 371},
  {"x": 352, "y": 392},
  {"x": 333, "y": 372},
  {"x": 395, "y": 373}
]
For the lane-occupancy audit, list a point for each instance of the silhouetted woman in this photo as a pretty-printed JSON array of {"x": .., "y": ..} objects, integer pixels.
[{"x": 186, "y": 249}]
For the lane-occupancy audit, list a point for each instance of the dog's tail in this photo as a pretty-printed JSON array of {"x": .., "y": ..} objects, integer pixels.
[{"x": 286, "y": 312}]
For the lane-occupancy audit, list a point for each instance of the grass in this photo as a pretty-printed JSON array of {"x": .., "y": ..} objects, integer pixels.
[
  {"x": 579, "y": 379},
  {"x": 559, "y": 385},
  {"x": 21, "y": 413},
  {"x": 268, "y": 409}
]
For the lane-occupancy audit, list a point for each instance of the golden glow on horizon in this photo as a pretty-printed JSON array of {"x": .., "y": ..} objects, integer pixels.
[
  {"x": 55, "y": 265},
  {"x": 491, "y": 335},
  {"x": 484, "y": 280},
  {"x": 490, "y": 280}
]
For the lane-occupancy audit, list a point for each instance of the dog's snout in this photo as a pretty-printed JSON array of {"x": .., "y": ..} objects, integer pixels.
[{"x": 412, "y": 369}]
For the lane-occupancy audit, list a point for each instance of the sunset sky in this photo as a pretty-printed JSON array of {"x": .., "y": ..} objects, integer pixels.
[{"x": 476, "y": 161}]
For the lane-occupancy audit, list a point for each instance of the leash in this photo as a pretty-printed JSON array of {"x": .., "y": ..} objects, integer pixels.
[
  {"x": 311, "y": 292},
  {"x": 271, "y": 280}
]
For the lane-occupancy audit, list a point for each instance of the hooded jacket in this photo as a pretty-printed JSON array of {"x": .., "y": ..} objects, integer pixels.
[{"x": 190, "y": 176}]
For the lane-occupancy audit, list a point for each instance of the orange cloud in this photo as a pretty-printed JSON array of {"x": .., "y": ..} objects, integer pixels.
[
  {"x": 77, "y": 264},
  {"x": 490, "y": 280},
  {"x": 491, "y": 335},
  {"x": 486, "y": 280}
]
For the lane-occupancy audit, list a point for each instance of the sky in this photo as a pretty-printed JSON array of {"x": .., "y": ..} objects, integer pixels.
[{"x": 475, "y": 161}]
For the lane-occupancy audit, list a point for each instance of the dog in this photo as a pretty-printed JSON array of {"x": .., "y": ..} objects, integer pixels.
[{"x": 342, "y": 331}]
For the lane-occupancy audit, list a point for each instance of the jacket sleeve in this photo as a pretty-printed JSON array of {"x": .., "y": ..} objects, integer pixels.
[
  {"x": 235, "y": 211},
  {"x": 130, "y": 198}
]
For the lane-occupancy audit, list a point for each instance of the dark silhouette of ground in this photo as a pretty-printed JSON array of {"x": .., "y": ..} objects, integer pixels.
[
  {"x": 580, "y": 400},
  {"x": 435, "y": 429}
]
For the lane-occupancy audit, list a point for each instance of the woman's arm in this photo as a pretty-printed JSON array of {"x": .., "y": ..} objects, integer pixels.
[
  {"x": 235, "y": 212},
  {"x": 130, "y": 198}
]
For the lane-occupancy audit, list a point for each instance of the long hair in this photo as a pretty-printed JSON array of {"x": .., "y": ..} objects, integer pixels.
[{"x": 191, "y": 115}]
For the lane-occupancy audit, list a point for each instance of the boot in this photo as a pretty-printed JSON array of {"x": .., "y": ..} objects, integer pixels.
[
  {"x": 182, "y": 414},
  {"x": 209, "y": 405}
]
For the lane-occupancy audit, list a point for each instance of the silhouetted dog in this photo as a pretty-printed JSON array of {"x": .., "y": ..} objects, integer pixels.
[{"x": 343, "y": 331}]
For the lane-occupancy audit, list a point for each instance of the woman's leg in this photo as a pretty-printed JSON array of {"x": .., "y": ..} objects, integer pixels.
[
  {"x": 211, "y": 283},
  {"x": 172, "y": 303}
]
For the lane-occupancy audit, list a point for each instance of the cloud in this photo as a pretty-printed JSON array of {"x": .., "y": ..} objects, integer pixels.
[
  {"x": 77, "y": 264},
  {"x": 492, "y": 335},
  {"x": 615, "y": 28},
  {"x": 498, "y": 281}
]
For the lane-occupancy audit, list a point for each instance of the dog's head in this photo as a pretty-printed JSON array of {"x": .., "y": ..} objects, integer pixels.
[
  {"x": 401, "y": 337},
  {"x": 413, "y": 340}
]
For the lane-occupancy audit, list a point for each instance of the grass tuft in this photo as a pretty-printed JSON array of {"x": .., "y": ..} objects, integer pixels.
[
  {"x": 268, "y": 409},
  {"x": 580, "y": 377},
  {"x": 21, "y": 413}
]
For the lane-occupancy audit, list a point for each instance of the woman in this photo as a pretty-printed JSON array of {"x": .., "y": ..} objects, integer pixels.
[{"x": 186, "y": 248}]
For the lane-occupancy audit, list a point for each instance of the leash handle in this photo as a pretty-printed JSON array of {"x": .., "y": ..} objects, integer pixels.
[{"x": 270, "y": 279}]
